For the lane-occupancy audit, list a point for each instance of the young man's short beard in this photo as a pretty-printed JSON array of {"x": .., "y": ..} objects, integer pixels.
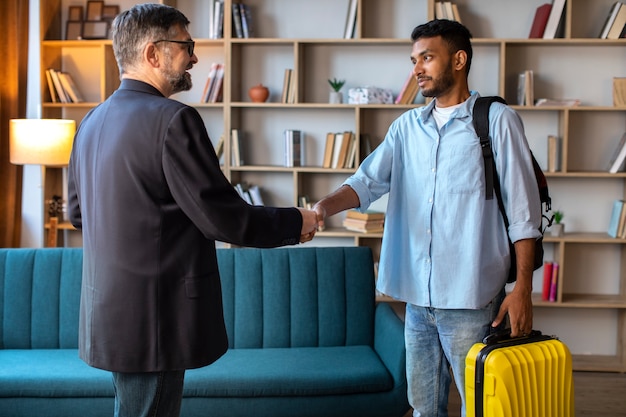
[{"x": 441, "y": 84}]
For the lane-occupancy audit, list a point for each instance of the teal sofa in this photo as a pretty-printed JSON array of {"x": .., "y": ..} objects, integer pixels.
[{"x": 306, "y": 338}]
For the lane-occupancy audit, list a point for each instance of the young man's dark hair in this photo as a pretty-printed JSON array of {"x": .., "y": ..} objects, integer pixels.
[{"x": 454, "y": 34}]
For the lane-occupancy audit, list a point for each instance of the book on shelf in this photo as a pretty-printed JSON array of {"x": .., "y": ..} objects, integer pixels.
[
  {"x": 618, "y": 157},
  {"x": 349, "y": 31},
  {"x": 618, "y": 25},
  {"x": 447, "y": 10},
  {"x": 547, "y": 280},
  {"x": 409, "y": 90},
  {"x": 539, "y": 21},
  {"x": 294, "y": 153},
  {"x": 54, "y": 96},
  {"x": 616, "y": 221},
  {"x": 288, "y": 93},
  {"x": 554, "y": 153},
  {"x": 210, "y": 82},
  {"x": 365, "y": 146},
  {"x": 215, "y": 94},
  {"x": 365, "y": 215},
  {"x": 554, "y": 282},
  {"x": 235, "y": 142},
  {"x": 70, "y": 87},
  {"x": 619, "y": 91},
  {"x": 219, "y": 148},
  {"x": 304, "y": 202},
  {"x": 237, "y": 24},
  {"x": 246, "y": 20},
  {"x": 525, "y": 88},
  {"x": 255, "y": 195},
  {"x": 341, "y": 146},
  {"x": 555, "y": 24},
  {"x": 350, "y": 161},
  {"x": 328, "y": 150},
  {"x": 610, "y": 18},
  {"x": 561, "y": 102},
  {"x": 251, "y": 194},
  {"x": 218, "y": 20},
  {"x": 58, "y": 87}
]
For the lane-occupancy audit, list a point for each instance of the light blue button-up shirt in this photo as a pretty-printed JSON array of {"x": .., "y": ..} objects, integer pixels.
[{"x": 445, "y": 245}]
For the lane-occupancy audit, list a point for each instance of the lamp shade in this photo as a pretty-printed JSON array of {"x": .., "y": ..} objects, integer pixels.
[{"x": 41, "y": 141}]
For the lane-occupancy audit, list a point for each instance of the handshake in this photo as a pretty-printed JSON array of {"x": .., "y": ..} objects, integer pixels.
[{"x": 312, "y": 221}]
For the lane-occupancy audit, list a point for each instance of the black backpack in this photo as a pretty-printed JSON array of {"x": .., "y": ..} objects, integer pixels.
[{"x": 481, "y": 125}]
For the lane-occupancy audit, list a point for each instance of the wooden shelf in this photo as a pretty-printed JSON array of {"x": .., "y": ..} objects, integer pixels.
[{"x": 317, "y": 53}]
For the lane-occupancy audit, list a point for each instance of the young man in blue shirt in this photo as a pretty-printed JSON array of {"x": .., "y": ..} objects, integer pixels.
[{"x": 445, "y": 248}]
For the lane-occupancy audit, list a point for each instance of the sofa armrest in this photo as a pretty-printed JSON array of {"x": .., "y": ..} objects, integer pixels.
[{"x": 389, "y": 342}]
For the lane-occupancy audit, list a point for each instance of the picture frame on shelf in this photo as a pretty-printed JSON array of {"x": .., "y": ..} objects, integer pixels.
[
  {"x": 73, "y": 30},
  {"x": 75, "y": 13},
  {"x": 110, "y": 11},
  {"x": 98, "y": 29},
  {"x": 94, "y": 10}
]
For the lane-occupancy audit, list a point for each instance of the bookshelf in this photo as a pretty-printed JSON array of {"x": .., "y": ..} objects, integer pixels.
[{"x": 304, "y": 36}]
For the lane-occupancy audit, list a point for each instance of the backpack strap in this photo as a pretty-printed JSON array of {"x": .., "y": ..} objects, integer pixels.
[{"x": 481, "y": 125}]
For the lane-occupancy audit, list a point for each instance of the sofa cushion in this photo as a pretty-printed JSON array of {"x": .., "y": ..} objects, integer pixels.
[
  {"x": 239, "y": 373},
  {"x": 290, "y": 372},
  {"x": 50, "y": 373}
]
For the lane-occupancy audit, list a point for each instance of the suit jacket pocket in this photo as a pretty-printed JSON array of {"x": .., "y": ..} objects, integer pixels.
[{"x": 197, "y": 287}]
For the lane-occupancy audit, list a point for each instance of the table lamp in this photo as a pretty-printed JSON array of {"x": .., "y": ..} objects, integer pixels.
[{"x": 45, "y": 142}]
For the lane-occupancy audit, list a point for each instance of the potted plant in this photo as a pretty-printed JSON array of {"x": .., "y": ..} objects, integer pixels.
[
  {"x": 336, "y": 97},
  {"x": 557, "y": 226}
]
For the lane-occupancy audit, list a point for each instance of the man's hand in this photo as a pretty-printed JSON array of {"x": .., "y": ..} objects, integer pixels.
[
  {"x": 321, "y": 216},
  {"x": 309, "y": 224}
]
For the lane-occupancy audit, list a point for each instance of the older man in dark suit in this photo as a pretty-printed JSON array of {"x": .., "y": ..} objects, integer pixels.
[{"x": 146, "y": 189}]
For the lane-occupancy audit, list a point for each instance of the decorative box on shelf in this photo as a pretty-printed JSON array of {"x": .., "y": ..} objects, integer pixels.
[{"x": 369, "y": 95}]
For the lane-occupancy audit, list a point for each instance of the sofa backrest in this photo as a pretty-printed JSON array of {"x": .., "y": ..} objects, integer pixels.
[
  {"x": 296, "y": 296},
  {"x": 40, "y": 298}
]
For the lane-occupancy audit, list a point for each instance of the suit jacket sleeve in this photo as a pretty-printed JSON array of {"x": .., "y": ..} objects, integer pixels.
[{"x": 194, "y": 177}]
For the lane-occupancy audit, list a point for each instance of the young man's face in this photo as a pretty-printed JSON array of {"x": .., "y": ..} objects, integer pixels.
[{"x": 433, "y": 66}]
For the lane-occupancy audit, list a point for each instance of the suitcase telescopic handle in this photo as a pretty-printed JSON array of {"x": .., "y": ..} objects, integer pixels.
[{"x": 505, "y": 335}]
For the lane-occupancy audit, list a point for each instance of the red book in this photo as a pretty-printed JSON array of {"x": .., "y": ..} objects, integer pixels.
[
  {"x": 554, "y": 283},
  {"x": 547, "y": 280},
  {"x": 540, "y": 21}
]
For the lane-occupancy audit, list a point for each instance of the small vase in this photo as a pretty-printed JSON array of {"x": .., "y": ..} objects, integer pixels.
[
  {"x": 557, "y": 229},
  {"x": 259, "y": 93},
  {"x": 335, "y": 97}
]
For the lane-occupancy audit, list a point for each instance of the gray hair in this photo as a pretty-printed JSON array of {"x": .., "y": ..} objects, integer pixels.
[{"x": 141, "y": 24}]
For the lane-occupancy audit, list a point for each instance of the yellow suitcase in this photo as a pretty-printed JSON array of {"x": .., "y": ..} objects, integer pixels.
[{"x": 519, "y": 377}]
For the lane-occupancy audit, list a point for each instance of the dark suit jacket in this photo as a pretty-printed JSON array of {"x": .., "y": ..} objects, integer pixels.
[{"x": 145, "y": 187}]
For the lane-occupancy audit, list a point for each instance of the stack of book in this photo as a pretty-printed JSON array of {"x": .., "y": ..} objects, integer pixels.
[
  {"x": 364, "y": 222},
  {"x": 62, "y": 87},
  {"x": 212, "y": 92}
]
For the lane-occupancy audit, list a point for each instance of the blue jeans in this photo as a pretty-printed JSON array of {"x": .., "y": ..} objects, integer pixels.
[
  {"x": 437, "y": 340},
  {"x": 148, "y": 394}
]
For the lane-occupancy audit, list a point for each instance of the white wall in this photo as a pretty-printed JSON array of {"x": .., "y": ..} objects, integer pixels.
[{"x": 32, "y": 193}]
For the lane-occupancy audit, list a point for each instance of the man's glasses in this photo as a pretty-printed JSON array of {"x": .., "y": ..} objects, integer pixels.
[{"x": 190, "y": 44}]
